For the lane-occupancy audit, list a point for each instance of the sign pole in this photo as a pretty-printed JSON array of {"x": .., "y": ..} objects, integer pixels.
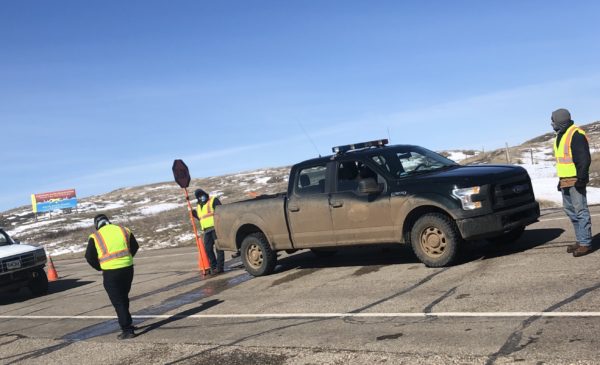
[
  {"x": 203, "y": 263},
  {"x": 182, "y": 178}
]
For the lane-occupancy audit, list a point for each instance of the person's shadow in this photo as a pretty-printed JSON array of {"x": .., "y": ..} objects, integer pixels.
[{"x": 176, "y": 317}]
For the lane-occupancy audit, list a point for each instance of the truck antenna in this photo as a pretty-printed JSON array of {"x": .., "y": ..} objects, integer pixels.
[{"x": 310, "y": 139}]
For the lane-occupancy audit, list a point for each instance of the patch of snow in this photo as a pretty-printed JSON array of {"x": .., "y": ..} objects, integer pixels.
[
  {"x": 81, "y": 224},
  {"x": 157, "y": 208},
  {"x": 172, "y": 225},
  {"x": 185, "y": 237},
  {"x": 262, "y": 180},
  {"x": 67, "y": 249},
  {"x": 25, "y": 227}
]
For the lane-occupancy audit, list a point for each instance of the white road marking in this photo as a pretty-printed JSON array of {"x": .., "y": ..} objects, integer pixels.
[
  {"x": 565, "y": 217},
  {"x": 332, "y": 315}
]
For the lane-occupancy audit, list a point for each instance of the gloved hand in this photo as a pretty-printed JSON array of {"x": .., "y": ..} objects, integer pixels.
[
  {"x": 580, "y": 183},
  {"x": 558, "y": 186}
]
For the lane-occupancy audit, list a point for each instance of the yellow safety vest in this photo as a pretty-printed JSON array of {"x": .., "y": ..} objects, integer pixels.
[
  {"x": 564, "y": 159},
  {"x": 112, "y": 245},
  {"x": 206, "y": 214}
]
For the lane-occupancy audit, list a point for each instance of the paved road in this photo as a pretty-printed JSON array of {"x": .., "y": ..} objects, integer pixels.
[{"x": 527, "y": 303}]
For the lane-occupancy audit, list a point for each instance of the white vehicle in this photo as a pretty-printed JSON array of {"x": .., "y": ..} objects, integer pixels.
[{"x": 21, "y": 265}]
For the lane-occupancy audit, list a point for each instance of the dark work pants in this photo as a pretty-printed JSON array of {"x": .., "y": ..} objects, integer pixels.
[
  {"x": 209, "y": 242},
  {"x": 117, "y": 283}
]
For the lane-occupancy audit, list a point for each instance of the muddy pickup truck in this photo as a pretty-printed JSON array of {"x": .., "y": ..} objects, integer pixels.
[{"x": 371, "y": 193}]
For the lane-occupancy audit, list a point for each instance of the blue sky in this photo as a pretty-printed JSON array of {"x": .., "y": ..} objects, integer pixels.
[{"x": 97, "y": 95}]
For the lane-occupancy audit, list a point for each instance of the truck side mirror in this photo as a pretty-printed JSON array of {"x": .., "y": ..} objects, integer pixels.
[
  {"x": 17, "y": 242},
  {"x": 369, "y": 186}
]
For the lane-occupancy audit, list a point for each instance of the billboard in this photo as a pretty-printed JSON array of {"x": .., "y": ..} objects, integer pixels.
[{"x": 55, "y": 200}]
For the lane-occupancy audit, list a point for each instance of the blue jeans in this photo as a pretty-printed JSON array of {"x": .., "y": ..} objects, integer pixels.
[{"x": 575, "y": 205}]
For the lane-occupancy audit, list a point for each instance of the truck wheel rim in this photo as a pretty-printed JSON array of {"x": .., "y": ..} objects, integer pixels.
[
  {"x": 255, "y": 256},
  {"x": 433, "y": 241}
]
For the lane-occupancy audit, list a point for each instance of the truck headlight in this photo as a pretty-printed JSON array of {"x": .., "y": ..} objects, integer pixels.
[
  {"x": 39, "y": 255},
  {"x": 466, "y": 197}
]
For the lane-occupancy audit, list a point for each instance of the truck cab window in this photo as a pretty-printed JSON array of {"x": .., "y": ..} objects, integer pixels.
[
  {"x": 351, "y": 172},
  {"x": 4, "y": 239},
  {"x": 311, "y": 180}
]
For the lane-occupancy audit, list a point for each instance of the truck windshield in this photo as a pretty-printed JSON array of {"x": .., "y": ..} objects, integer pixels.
[
  {"x": 4, "y": 239},
  {"x": 408, "y": 160}
]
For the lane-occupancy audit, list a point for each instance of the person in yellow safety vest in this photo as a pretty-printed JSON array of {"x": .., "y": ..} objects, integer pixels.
[
  {"x": 572, "y": 153},
  {"x": 110, "y": 249},
  {"x": 205, "y": 214}
]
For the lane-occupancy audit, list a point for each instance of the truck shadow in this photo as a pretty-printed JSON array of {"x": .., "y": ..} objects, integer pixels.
[
  {"x": 58, "y": 286},
  {"x": 531, "y": 239},
  {"x": 394, "y": 254}
]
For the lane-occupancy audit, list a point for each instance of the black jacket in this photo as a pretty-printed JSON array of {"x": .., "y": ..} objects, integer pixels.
[
  {"x": 91, "y": 254},
  {"x": 580, "y": 149}
]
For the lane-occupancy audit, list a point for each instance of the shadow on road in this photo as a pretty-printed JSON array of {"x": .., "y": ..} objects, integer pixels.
[
  {"x": 178, "y": 316},
  {"x": 24, "y": 294},
  {"x": 531, "y": 239},
  {"x": 394, "y": 254}
]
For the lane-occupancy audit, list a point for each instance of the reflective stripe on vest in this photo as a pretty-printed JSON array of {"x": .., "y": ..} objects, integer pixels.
[
  {"x": 206, "y": 215},
  {"x": 112, "y": 245},
  {"x": 564, "y": 159}
]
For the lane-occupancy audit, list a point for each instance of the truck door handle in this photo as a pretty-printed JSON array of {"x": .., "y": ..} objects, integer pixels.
[
  {"x": 336, "y": 203},
  {"x": 294, "y": 208}
]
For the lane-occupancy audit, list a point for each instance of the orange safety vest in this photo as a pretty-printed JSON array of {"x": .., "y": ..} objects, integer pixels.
[
  {"x": 206, "y": 214},
  {"x": 565, "y": 167},
  {"x": 112, "y": 245}
]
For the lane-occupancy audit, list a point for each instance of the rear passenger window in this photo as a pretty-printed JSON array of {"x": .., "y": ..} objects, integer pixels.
[{"x": 311, "y": 180}]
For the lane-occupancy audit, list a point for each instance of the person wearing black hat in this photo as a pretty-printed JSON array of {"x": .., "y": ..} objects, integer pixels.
[
  {"x": 205, "y": 214},
  {"x": 110, "y": 249},
  {"x": 572, "y": 153}
]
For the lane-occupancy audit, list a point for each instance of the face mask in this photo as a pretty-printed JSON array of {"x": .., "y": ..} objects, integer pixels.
[{"x": 203, "y": 199}]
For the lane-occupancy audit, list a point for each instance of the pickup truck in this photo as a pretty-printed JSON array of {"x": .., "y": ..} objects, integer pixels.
[
  {"x": 21, "y": 266},
  {"x": 371, "y": 193}
]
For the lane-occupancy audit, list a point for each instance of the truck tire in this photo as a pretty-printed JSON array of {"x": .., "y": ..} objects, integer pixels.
[
  {"x": 435, "y": 240},
  {"x": 508, "y": 237},
  {"x": 39, "y": 284},
  {"x": 323, "y": 253},
  {"x": 258, "y": 257}
]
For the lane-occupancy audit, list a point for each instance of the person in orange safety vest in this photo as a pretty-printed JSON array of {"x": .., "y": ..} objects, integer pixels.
[
  {"x": 111, "y": 249},
  {"x": 205, "y": 214}
]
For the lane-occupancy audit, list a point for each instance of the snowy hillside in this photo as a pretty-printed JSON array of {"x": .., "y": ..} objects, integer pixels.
[{"x": 158, "y": 213}]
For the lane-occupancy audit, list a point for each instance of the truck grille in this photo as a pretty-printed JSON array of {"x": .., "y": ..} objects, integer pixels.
[
  {"x": 27, "y": 260},
  {"x": 512, "y": 192}
]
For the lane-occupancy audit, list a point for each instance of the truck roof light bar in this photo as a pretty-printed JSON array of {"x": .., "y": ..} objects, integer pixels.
[{"x": 350, "y": 147}]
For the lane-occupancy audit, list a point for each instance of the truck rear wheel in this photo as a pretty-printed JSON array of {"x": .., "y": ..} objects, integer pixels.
[
  {"x": 258, "y": 257},
  {"x": 39, "y": 284},
  {"x": 435, "y": 240}
]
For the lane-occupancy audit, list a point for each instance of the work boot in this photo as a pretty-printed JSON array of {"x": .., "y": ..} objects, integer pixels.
[
  {"x": 126, "y": 335},
  {"x": 573, "y": 247},
  {"x": 582, "y": 251}
]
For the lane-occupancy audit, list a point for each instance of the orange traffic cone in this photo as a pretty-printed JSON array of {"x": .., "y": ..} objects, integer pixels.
[{"x": 52, "y": 274}]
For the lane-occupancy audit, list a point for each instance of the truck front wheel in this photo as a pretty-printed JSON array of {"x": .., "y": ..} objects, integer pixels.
[
  {"x": 39, "y": 284},
  {"x": 258, "y": 257},
  {"x": 435, "y": 240}
]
